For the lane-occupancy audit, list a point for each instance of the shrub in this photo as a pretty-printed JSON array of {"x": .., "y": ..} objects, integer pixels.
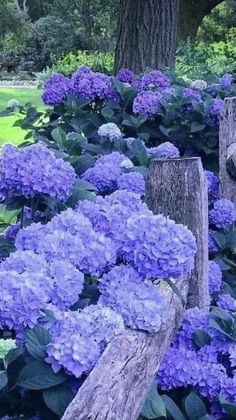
[
  {"x": 98, "y": 61},
  {"x": 84, "y": 260}
]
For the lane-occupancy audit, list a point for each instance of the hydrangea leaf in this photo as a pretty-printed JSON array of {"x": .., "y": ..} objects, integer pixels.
[
  {"x": 57, "y": 399},
  {"x": 38, "y": 375},
  {"x": 194, "y": 406},
  {"x": 36, "y": 341},
  {"x": 154, "y": 406},
  {"x": 172, "y": 408}
]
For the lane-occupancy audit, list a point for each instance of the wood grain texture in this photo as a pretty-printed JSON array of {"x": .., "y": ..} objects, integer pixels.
[
  {"x": 226, "y": 139},
  {"x": 177, "y": 188},
  {"x": 118, "y": 385}
]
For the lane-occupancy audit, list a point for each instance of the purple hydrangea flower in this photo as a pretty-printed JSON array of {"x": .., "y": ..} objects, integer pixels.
[
  {"x": 215, "y": 277},
  {"x": 158, "y": 247},
  {"x": 147, "y": 102},
  {"x": 213, "y": 184},
  {"x": 141, "y": 305},
  {"x": 132, "y": 181},
  {"x": 225, "y": 301},
  {"x": 12, "y": 231},
  {"x": 82, "y": 337},
  {"x": 165, "y": 151},
  {"x": 34, "y": 170},
  {"x": 56, "y": 89},
  {"x": 226, "y": 81},
  {"x": 157, "y": 79},
  {"x": 93, "y": 85},
  {"x": 105, "y": 172},
  {"x": 191, "y": 94},
  {"x": 137, "y": 84},
  {"x": 213, "y": 113},
  {"x": 223, "y": 213},
  {"x": 125, "y": 75}
]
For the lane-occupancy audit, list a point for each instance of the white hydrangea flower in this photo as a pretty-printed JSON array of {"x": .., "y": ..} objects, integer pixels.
[
  {"x": 198, "y": 84},
  {"x": 6, "y": 346},
  {"x": 126, "y": 164},
  {"x": 111, "y": 131}
]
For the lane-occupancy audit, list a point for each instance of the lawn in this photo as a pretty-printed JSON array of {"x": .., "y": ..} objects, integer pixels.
[{"x": 8, "y": 133}]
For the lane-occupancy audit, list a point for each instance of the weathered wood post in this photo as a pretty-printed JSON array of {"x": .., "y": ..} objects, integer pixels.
[
  {"x": 184, "y": 200},
  {"x": 227, "y": 150},
  {"x": 119, "y": 383}
]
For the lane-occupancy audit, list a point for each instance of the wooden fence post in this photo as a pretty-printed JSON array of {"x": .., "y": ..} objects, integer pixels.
[
  {"x": 227, "y": 150},
  {"x": 184, "y": 200},
  {"x": 119, "y": 383}
]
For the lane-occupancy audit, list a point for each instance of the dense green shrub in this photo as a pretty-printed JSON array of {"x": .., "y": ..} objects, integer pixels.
[
  {"x": 98, "y": 61},
  {"x": 198, "y": 61}
]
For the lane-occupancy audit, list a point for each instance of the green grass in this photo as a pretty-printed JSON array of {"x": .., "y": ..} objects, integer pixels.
[{"x": 8, "y": 133}]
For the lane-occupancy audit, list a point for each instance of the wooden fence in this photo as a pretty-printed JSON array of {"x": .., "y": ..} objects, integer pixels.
[{"x": 118, "y": 385}]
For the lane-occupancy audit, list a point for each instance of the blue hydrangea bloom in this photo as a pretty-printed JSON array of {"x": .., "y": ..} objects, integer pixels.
[
  {"x": 158, "y": 247},
  {"x": 34, "y": 170},
  {"x": 226, "y": 81},
  {"x": 215, "y": 277},
  {"x": 147, "y": 103},
  {"x": 165, "y": 150},
  {"x": 213, "y": 184},
  {"x": 223, "y": 213},
  {"x": 56, "y": 89},
  {"x": 213, "y": 113},
  {"x": 93, "y": 85},
  {"x": 81, "y": 339},
  {"x": 225, "y": 301},
  {"x": 141, "y": 305},
  {"x": 155, "y": 78},
  {"x": 125, "y": 75},
  {"x": 132, "y": 181}
]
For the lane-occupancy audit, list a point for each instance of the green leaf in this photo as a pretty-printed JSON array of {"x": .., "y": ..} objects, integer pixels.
[
  {"x": 139, "y": 151},
  {"x": 59, "y": 136},
  {"x": 3, "y": 380},
  {"x": 154, "y": 406},
  {"x": 172, "y": 408},
  {"x": 220, "y": 239},
  {"x": 57, "y": 399},
  {"x": 194, "y": 406},
  {"x": 13, "y": 355},
  {"x": 201, "y": 338},
  {"x": 38, "y": 375},
  {"x": 196, "y": 127},
  {"x": 229, "y": 408},
  {"x": 36, "y": 341},
  {"x": 231, "y": 242},
  {"x": 107, "y": 113}
]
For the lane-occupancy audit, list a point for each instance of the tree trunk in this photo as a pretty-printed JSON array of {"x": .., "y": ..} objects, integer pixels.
[
  {"x": 191, "y": 14},
  {"x": 147, "y": 34}
]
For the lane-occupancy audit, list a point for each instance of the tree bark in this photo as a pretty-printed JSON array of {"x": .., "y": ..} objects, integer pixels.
[
  {"x": 118, "y": 385},
  {"x": 191, "y": 14},
  {"x": 177, "y": 201},
  {"x": 147, "y": 34},
  {"x": 227, "y": 152}
]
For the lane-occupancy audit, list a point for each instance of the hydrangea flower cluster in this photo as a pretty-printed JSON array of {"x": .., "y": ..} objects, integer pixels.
[
  {"x": 158, "y": 247},
  {"x": 106, "y": 171},
  {"x": 70, "y": 237},
  {"x": 147, "y": 103},
  {"x": 223, "y": 213},
  {"x": 34, "y": 170},
  {"x": 125, "y": 75},
  {"x": 165, "y": 150},
  {"x": 198, "y": 85},
  {"x": 81, "y": 338},
  {"x": 6, "y": 346},
  {"x": 111, "y": 131},
  {"x": 210, "y": 370},
  {"x": 225, "y": 301},
  {"x": 93, "y": 85},
  {"x": 226, "y": 81},
  {"x": 155, "y": 79},
  {"x": 132, "y": 181},
  {"x": 56, "y": 89},
  {"x": 215, "y": 277},
  {"x": 213, "y": 184},
  {"x": 213, "y": 113},
  {"x": 140, "y": 304}
]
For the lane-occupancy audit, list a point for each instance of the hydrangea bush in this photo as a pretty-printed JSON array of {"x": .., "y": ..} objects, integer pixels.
[{"x": 86, "y": 251}]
